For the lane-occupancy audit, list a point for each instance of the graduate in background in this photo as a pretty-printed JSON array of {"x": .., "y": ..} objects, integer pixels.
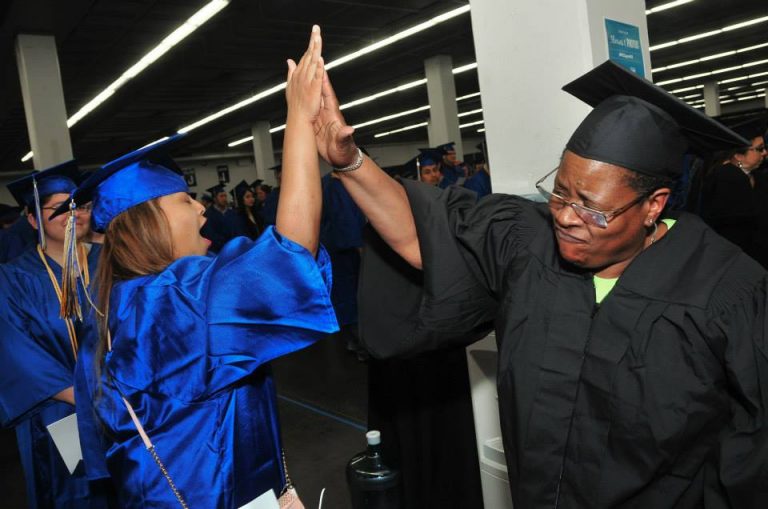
[
  {"x": 178, "y": 374},
  {"x": 341, "y": 232},
  {"x": 269, "y": 208},
  {"x": 217, "y": 228},
  {"x": 38, "y": 348},
  {"x": 243, "y": 218}
]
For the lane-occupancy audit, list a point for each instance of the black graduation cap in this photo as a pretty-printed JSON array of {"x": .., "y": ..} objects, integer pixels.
[
  {"x": 256, "y": 183},
  {"x": 640, "y": 126},
  {"x": 218, "y": 188},
  {"x": 750, "y": 126},
  {"x": 239, "y": 190},
  {"x": 278, "y": 168}
]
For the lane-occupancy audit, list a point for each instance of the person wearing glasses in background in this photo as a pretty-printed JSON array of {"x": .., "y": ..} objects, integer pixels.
[
  {"x": 38, "y": 348},
  {"x": 733, "y": 201},
  {"x": 632, "y": 366}
]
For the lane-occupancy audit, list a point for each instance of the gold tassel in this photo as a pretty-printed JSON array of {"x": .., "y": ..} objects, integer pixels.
[{"x": 70, "y": 299}]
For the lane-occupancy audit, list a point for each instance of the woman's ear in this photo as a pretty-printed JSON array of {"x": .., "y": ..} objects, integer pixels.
[{"x": 657, "y": 201}]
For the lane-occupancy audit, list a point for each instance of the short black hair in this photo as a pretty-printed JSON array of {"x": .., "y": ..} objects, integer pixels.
[{"x": 645, "y": 185}]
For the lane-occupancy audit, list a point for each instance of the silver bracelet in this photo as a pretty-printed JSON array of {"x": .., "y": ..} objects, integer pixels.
[{"x": 355, "y": 165}]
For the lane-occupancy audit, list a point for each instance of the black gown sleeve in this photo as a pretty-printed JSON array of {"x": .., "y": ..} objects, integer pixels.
[
  {"x": 465, "y": 250},
  {"x": 740, "y": 322}
]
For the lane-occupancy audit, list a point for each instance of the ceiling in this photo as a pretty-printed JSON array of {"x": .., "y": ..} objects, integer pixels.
[{"x": 242, "y": 51}]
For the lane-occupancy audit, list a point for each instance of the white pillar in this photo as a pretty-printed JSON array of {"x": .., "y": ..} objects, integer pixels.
[
  {"x": 443, "y": 110},
  {"x": 712, "y": 99},
  {"x": 43, "y": 96},
  {"x": 526, "y": 51},
  {"x": 263, "y": 152}
]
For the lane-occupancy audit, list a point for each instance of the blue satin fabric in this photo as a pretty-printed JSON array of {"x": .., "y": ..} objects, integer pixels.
[
  {"x": 36, "y": 363},
  {"x": 191, "y": 347}
]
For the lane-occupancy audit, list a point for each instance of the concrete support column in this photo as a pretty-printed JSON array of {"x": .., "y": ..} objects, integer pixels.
[
  {"x": 525, "y": 52},
  {"x": 765, "y": 99},
  {"x": 712, "y": 99},
  {"x": 263, "y": 152},
  {"x": 43, "y": 96},
  {"x": 443, "y": 110}
]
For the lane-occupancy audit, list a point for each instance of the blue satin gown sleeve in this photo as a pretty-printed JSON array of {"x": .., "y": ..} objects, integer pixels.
[
  {"x": 30, "y": 373},
  {"x": 205, "y": 323}
]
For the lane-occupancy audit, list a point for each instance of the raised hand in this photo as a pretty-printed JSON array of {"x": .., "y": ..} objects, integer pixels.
[
  {"x": 304, "y": 83},
  {"x": 332, "y": 134}
]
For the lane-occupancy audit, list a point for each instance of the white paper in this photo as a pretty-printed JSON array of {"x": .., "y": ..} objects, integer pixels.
[
  {"x": 66, "y": 437},
  {"x": 266, "y": 500}
]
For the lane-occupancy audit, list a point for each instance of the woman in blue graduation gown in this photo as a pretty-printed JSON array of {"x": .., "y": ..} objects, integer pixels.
[
  {"x": 38, "y": 347},
  {"x": 189, "y": 337}
]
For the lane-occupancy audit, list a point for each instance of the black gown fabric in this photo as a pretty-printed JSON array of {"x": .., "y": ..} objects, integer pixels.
[
  {"x": 736, "y": 210},
  {"x": 656, "y": 398},
  {"x": 422, "y": 405}
]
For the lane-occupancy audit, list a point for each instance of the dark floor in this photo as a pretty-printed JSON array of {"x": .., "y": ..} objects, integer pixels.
[{"x": 322, "y": 393}]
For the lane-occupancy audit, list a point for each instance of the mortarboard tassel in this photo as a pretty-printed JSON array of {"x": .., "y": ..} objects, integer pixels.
[
  {"x": 38, "y": 216},
  {"x": 70, "y": 299}
]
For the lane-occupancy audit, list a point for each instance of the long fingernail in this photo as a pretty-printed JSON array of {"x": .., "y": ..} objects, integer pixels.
[{"x": 315, "y": 28}]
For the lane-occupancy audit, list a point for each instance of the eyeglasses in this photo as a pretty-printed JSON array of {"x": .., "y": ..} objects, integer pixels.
[
  {"x": 80, "y": 208},
  {"x": 590, "y": 216},
  {"x": 759, "y": 148}
]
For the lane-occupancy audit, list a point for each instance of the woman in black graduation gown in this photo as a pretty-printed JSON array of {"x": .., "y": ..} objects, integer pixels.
[
  {"x": 632, "y": 345},
  {"x": 732, "y": 200}
]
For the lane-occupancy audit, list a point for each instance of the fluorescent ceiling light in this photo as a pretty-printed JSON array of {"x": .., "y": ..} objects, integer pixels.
[
  {"x": 27, "y": 157},
  {"x": 696, "y": 37},
  {"x": 686, "y": 89},
  {"x": 465, "y": 68},
  {"x": 197, "y": 20},
  {"x": 468, "y": 96},
  {"x": 399, "y": 36},
  {"x": 390, "y": 117},
  {"x": 383, "y": 93},
  {"x": 473, "y": 112},
  {"x": 711, "y": 73},
  {"x": 372, "y": 97},
  {"x": 740, "y": 78},
  {"x": 193, "y": 23},
  {"x": 406, "y": 128},
  {"x": 330, "y": 65},
  {"x": 669, "y": 5},
  {"x": 707, "y": 58},
  {"x": 481, "y": 130},
  {"x": 470, "y": 124}
]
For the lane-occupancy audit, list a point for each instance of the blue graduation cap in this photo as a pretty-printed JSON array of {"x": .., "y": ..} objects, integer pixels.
[
  {"x": 446, "y": 147},
  {"x": 430, "y": 156},
  {"x": 62, "y": 178},
  {"x": 127, "y": 181},
  {"x": 218, "y": 188},
  {"x": 27, "y": 190}
]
